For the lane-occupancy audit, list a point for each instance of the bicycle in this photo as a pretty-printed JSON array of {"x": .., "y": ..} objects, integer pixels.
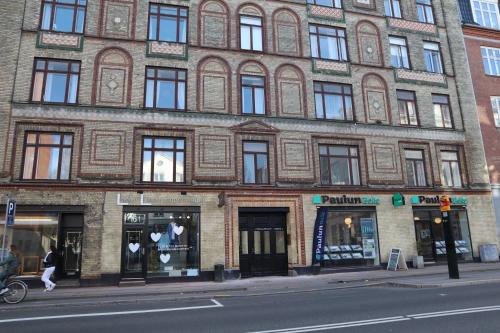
[{"x": 18, "y": 290}]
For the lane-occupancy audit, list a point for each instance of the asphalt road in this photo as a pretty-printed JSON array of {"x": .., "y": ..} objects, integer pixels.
[{"x": 364, "y": 309}]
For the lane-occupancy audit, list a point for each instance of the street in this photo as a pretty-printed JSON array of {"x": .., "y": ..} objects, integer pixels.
[{"x": 360, "y": 309}]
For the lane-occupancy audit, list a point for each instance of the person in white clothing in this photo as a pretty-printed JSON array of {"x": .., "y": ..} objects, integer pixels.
[{"x": 50, "y": 265}]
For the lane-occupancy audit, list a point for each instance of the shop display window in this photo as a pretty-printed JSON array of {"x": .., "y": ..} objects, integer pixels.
[
  {"x": 32, "y": 234},
  {"x": 430, "y": 234},
  {"x": 351, "y": 239}
]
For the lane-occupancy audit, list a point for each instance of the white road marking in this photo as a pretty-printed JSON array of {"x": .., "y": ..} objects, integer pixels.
[
  {"x": 454, "y": 312},
  {"x": 338, "y": 325},
  {"x": 379, "y": 321},
  {"x": 102, "y": 314}
]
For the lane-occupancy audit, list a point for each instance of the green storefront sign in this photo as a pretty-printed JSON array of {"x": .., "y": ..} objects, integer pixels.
[
  {"x": 434, "y": 200},
  {"x": 344, "y": 200}
]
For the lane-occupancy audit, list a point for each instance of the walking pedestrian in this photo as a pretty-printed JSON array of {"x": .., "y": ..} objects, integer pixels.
[
  {"x": 10, "y": 264},
  {"x": 50, "y": 265}
]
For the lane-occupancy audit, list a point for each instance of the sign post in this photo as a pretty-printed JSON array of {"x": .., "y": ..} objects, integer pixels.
[
  {"x": 10, "y": 213},
  {"x": 451, "y": 256}
]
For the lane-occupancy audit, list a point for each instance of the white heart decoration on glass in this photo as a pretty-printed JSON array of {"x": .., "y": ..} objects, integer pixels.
[
  {"x": 133, "y": 247},
  {"x": 178, "y": 230},
  {"x": 155, "y": 236},
  {"x": 164, "y": 258}
]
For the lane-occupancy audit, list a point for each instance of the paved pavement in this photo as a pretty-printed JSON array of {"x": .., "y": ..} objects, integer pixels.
[{"x": 435, "y": 276}]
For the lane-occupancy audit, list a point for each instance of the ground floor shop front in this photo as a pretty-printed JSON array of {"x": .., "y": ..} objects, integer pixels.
[{"x": 161, "y": 236}]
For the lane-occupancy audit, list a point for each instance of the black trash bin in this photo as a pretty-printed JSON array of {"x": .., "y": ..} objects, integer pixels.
[{"x": 219, "y": 273}]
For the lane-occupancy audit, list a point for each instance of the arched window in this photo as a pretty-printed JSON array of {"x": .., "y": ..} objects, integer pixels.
[
  {"x": 214, "y": 85},
  {"x": 251, "y": 28},
  {"x": 253, "y": 85},
  {"x": 286, "y": 33},
  {"x": 368, "y": 38},
  {"x": 112, "y": 78},
  {"x": 376, "y": 99},
  {"x": 290, "y": 92},
  {"x": 214, "y": 24}
]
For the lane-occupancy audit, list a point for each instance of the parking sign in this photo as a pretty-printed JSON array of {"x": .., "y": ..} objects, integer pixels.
[{"x": 11, "y": 211}]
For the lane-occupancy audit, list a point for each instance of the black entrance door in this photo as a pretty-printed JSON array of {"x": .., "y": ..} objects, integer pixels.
[
  {"x": 70, "y": 246},
  {"x": 263, "y": 245}
]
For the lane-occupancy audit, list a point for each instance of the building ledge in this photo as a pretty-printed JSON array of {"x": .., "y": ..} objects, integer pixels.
[
  {"x": 412, "y": 26},
  {"x": 65, "y": 41}
]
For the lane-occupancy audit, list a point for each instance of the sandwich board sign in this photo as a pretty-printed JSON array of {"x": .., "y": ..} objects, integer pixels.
[{"x": 396, "y": 260}]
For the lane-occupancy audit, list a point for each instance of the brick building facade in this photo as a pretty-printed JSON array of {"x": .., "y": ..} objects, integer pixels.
[
  {"x": 155, "y": 140},
  {"x": 482, "y": 39}
]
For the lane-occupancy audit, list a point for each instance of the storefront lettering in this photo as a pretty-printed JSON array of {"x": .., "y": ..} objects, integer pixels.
[
  {"x": 422, "y": 199},
  {"x": 343, "y": 200}
]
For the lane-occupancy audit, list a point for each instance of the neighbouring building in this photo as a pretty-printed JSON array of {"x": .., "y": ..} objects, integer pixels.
[
  {"x": 481, "y": 29},
  {"x": 154, "y": 140}
]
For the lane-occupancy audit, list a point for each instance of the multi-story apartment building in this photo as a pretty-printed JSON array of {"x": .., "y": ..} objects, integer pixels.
[
  {"x": 481, "y": 29},
  {"x": 158, "y": 139}
]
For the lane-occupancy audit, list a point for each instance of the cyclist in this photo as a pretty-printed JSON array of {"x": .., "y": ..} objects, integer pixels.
[{"x": 10, "y": 268}]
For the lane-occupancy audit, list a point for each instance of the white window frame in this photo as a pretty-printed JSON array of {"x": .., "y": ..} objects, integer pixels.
[
  {"x": 400, "y": 46},
  {"x": 495, "y": 107},
  {"x": 436, "y": 64},
  {"x": 481, "y": 14},
  {"x": 491, "y": 60}
]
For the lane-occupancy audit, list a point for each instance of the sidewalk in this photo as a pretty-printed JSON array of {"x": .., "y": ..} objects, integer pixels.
[{"x": 435, "y": 276}]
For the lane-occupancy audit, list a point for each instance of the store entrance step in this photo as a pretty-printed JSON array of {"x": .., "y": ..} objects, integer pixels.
[{"x": 132, "y": 282}]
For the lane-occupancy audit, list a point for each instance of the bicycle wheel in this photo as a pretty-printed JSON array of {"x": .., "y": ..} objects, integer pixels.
[{"x": 18, "y": 290}]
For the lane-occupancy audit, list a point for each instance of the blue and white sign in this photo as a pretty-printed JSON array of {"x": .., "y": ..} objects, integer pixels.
[
  {"x": 319, "y": 235},
  {"x": 11, "y": 212}
]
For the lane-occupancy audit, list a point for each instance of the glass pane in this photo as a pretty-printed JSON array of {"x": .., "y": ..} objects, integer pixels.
[
  {"x": 73, "y": 89},
  {"x": 165, "y": 94},
  {"x": 47, "y": 163},
  {"x": 324, "y": 170},
  {"x": 65, "y": 163},
  {"x": 446, "y": 171},
  {"x": 152, "y": 27},
  {"x": 455, "y": 170},
  {"x": 179, "y": 167},
  {"x": 314, "y": 46},
  {"x": 449, "y": 156},
  {"x": 257, "y": 38},
  {"x": 260, "y": 107},
  {"x": 256, "y": 242},
  {"x": 244, "y": 241},
  {"x": 245, "y": 37},
  {"x": 323, "y": 150},
  {"x": 328, "y": 48},
  {"x": 148, "y": 143},
  {"x": 180, "y": 144},
  {"x": 80, "y": 20},
  {"x": 338, "y": 151},
  {"x": 46, "y": 16},
  {"x": 420, "y": 173},
  {"x": 410, "y": 173},
  {"x": 63, "y": 18},
  {"x": 348, "y": 108},
  {"x": 249, "y": 166},
  {"x": 29, "y": 159},
  {"x": 247, "y": 100},
  {"x": 149, "y": 93},
  {"x": 68, "y": 139},
  {"x": 37, "y": 87},
  {"x": 168, "y": 29},
  {"x": 319, "y": 105},
  {"x": 355, "y": 172},
  {"x": 163, "y": 166},
  {"x": 133, "y": 250},
  {"x": 55, "y": 88},
  {"x": 262, "y": 174},
  {"x": 31, "y": 138},
  {"x": 280, "y": 241},
  {"x": 251, "y": 20},
  {"x": 146, "y": 166},
  {"x": 438, "y": 116},
  {"x": 182, "y": 30},
  {"x": 181, "y": 95},
  {"x": 259, "y": 147},
  {"x": 340, "y": 175},
  {"x": 414, "y": 154},
  {"x": 49, "y": 139},
  {"x": 267, "y": 242},
  {"x": 164, "y": 143}
]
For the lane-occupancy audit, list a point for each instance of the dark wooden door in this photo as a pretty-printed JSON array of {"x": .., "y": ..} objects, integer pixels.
[{"x": 263, "y": 244}]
